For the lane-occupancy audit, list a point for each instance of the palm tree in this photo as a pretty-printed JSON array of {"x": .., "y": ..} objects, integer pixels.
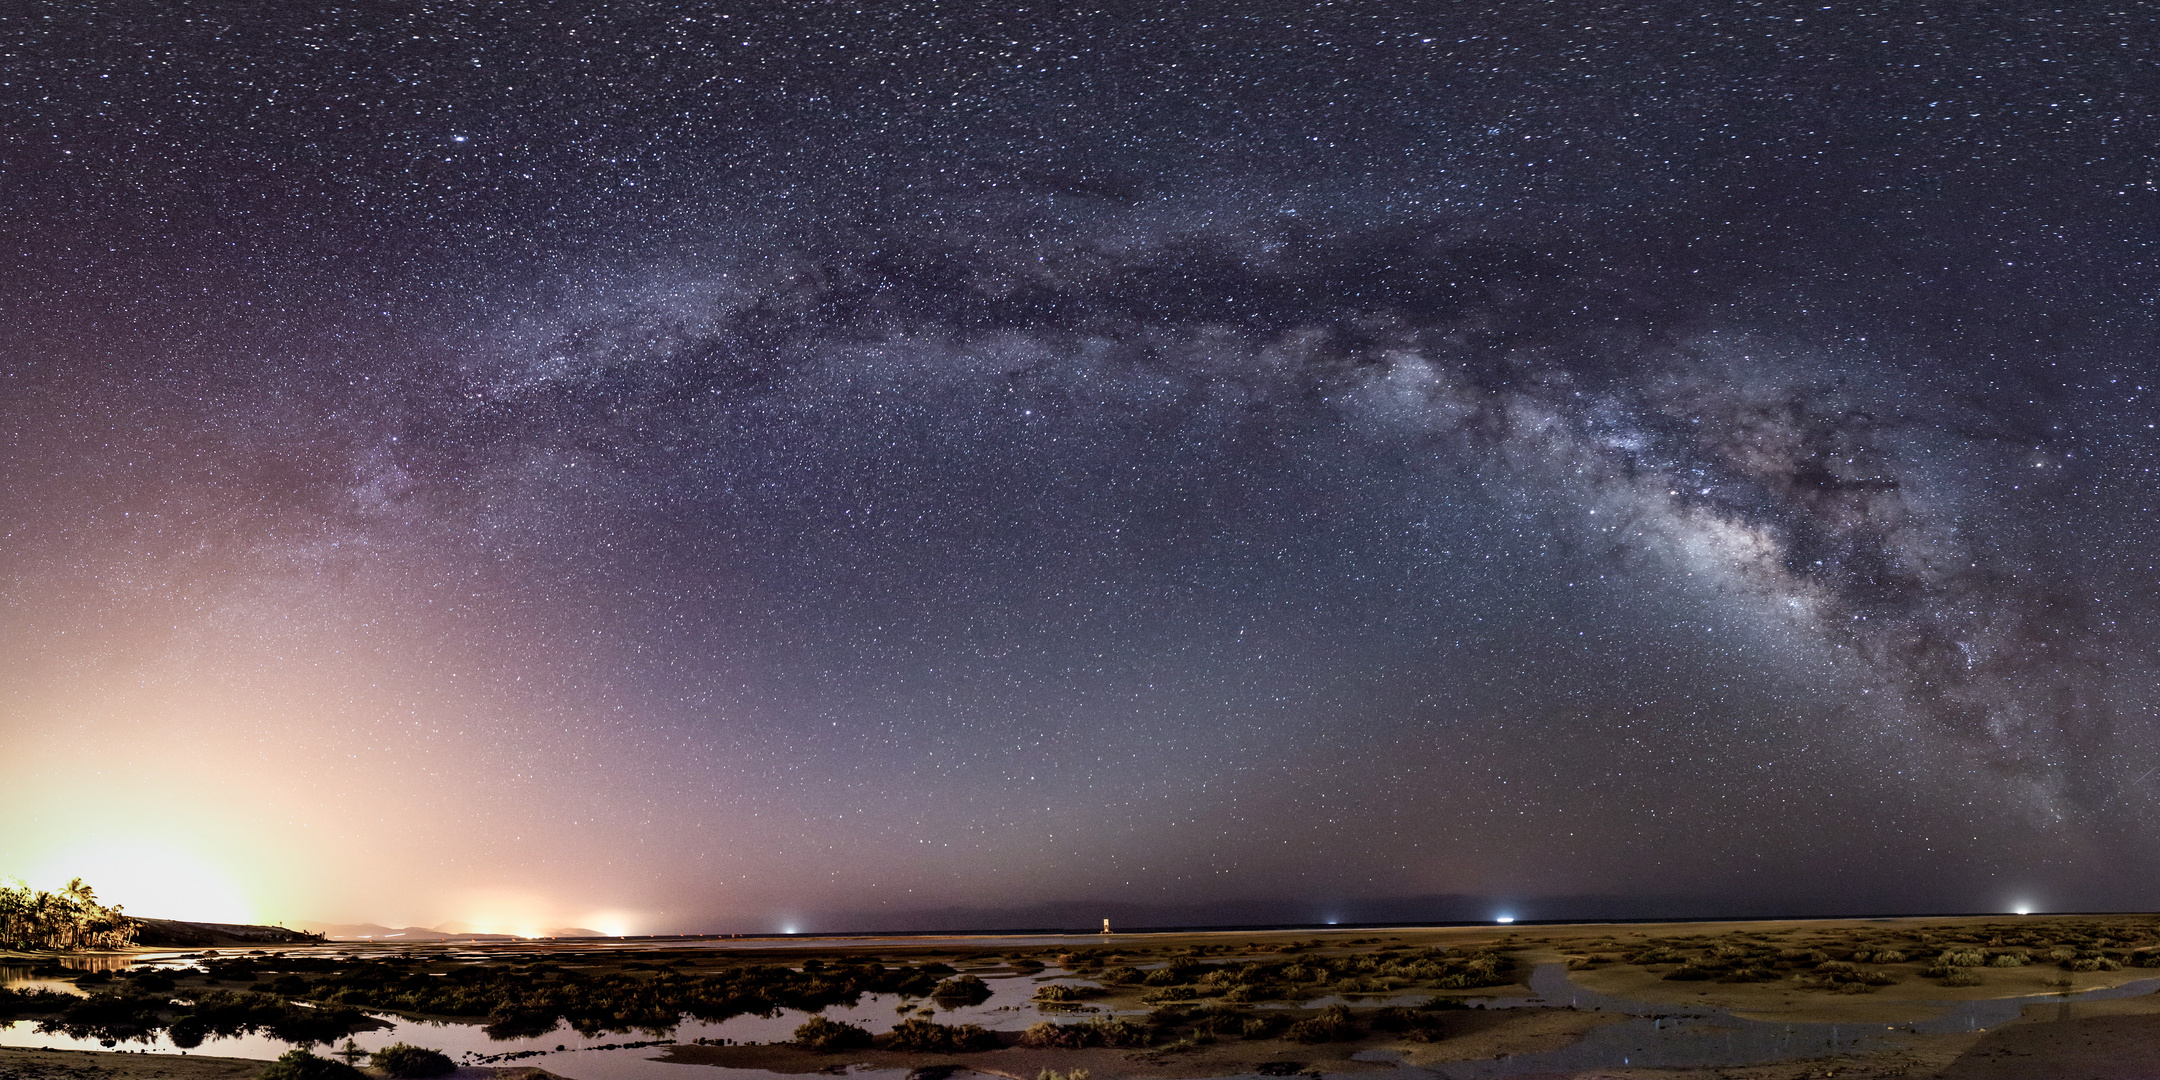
[{"x": 69, "y": 919}]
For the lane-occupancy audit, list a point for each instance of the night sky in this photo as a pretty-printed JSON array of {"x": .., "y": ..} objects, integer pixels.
[{"x": 825, "y": 465}]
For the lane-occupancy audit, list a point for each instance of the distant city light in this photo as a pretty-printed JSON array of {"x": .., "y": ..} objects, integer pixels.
[
  {"x": 2023, "y": 909},
  {"x": 1505, "y": 919},
  {"x": 787, "y": 929}
]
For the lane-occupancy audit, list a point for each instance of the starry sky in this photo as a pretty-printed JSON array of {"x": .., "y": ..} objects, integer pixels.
[{"x": 830, "y": 465}]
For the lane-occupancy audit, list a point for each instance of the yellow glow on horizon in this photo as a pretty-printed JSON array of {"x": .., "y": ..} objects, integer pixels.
[
  {"x": 611, "y": 923},
  {"x": 151, "y": 878}
]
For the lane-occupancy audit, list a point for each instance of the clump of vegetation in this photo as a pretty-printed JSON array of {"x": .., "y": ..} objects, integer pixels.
[
  {"x": 1333, "y": 1024},
  {"x": 301, "y": 1065},
  {"x": 1053, "y": 1074},
  {"x": 1061, "y": 992},
  {"x": 928, "y": 1037},
  {"x": 1961, "y": 977},
  {"x": 1842, "y": 977},
  {"x": 1415, "y": 1024},
  {"x": 32, "y": 1002},
  {"x": 1101, "y": 1031},
  {"x": 827, "y": 1036},
  {"x": 961, "y": 990},
  {"x": 2007, "y": 960},
  {"x": 1263, "y": 1026},
  {"x": 1962, "y": 958},
  {"x": 71, "y": 919},
  {"x": 408, "y": 1062}
]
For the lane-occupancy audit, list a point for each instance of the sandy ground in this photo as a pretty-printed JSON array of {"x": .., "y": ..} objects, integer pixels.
[
  {"x": 22, "y": 1063},
  {"x": 1468, "y": 1035}
]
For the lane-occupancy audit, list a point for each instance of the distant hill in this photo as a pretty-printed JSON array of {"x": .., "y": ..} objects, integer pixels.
[
  {"x": 378, "y": 932},
  {"x": 175, "y": 932}
]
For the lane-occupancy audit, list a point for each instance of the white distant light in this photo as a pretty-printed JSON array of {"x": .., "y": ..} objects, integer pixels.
[
  {"x": 2023, "y": 910},
  {"x": 1505, "y": 919},
  {"x": 787, "y": 929}
]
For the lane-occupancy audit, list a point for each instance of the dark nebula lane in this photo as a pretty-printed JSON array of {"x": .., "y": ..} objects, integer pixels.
[{"x": 805, "y": 466}]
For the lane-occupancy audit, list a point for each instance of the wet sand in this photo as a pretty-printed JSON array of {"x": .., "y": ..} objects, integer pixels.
[
  {"x": 1467, "y": 1036},
  {"x": 17, "y": 1063}
]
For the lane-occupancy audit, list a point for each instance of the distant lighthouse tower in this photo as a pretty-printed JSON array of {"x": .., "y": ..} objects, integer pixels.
[{"x": 1106, "y": 926}]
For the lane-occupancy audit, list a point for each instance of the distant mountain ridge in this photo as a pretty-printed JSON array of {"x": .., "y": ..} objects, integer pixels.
[
  {"x": 178, "y": 932},
  {"x": 449, "y": 931}
]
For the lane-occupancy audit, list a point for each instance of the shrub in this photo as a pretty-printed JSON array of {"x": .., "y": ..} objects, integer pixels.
[
  {"x": 1102, "y": 1031},
  {"x": 966, "y": 989},
  {"x": 1063, "y": 992},
  {"x": 2093, "y": 963},
  {"x": 1961, "y": 977},
  {"x": 1963, "y": 958},
  {"x": 301, "y": 1065},
  {"x": 927, "y": 1037},
  {"x": 2008, "y": 960},
  {"x": 1332, "y": 1025},
  {"x": 1750, "y": 973},
  {"x": 1413, "y": 1024},
  {"x": 827, "y": 1036},
  {"x": 408, "y": 1062},
  {"x": 1263, "y": 1026}
]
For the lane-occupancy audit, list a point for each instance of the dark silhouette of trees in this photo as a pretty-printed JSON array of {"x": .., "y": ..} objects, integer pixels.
[{"x": 68, "y": 920}]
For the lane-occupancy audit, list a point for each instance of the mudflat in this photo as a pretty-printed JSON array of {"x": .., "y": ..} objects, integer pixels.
[{"x": 23, "y": 1063}]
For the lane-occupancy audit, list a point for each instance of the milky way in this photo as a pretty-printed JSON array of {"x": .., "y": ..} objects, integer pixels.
[{"x": 832, "y": 469}]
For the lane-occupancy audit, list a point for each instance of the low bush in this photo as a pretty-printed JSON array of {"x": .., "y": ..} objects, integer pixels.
[
  {"x": 1751, "y": 973},
  {"x": 1263, "y": 1026},
  {"x": 827, "y": 1036},
  {"x": 1333, "y": 1024},
  {"x": 408, "y": 1062},
  {"x": 964, "y": 990},
  {"x": 928, "y": 1037},
  {"x": 1961, "y": 977},
  {"x": 1410, "y": 1023},
  {"x": 301, "y": 1065},
  {"x": 1103, "y": 1031}
]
